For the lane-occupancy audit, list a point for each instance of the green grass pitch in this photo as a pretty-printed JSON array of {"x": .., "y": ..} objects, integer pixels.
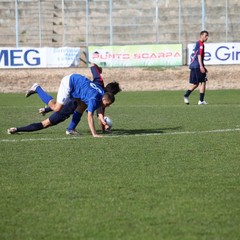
[{"x": 168, "y": 171}]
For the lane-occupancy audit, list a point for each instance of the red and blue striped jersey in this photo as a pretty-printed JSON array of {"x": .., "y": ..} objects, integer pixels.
[{"x": 198, "y": 49}]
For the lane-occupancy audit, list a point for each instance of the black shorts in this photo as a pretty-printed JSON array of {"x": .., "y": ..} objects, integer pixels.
[
  {"x": 196, "y": 76},
  {"x": 64, "y": 113}
]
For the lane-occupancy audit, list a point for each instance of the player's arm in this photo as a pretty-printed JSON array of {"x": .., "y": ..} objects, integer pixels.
[
  {"x": 200, "y": 58},
  {"x": 202, "y": 69},
  {"x": 100, "y": 115},
  {"x": 91, "y": 124},
  {"x": 45, "y": 110}
]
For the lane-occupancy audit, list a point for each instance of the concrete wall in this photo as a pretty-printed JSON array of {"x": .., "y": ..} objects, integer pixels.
[{"x": 133, "y": 22}]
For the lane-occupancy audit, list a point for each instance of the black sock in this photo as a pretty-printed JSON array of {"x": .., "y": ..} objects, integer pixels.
[
  {"x": 30, "y": 128},
  {"x": 47, "y": 109},
  {"x": 188, "y": 92},
  {"x": 202, "y": 96}
]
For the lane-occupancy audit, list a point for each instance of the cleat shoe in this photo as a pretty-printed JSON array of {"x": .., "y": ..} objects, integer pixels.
[
  {"x": 185, "y": 99},
  {"x": 42, "y": 111},
  {"x": 72, "y": 132},
  {"x": 12, "y": 130},
  {"x": 202, "y": 102},
  {"x": 32, "y": 90}
]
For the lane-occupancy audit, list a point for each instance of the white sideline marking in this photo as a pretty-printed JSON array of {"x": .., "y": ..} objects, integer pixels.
[{"x": 124, "y": 135}]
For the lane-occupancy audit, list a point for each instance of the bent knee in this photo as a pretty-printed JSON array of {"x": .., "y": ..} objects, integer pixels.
[
  {"x": 57, "y": 107},
  {"x": 46, "y": 123}
]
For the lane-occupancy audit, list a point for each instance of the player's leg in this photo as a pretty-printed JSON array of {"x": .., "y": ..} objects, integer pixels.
[
  {"x": 46, "y": 98},
  {"x": 65, "y": 113},
  {"x": 31, "y": 127},
  {"x": 194, "y": 82},
  {"x": 202, "y": 90},
  {"x": 63, "y": 94},
  {"x": 41, "y": 93},
  {"x": 76, "y": 118},
  {"x": 54, "y": 119}
]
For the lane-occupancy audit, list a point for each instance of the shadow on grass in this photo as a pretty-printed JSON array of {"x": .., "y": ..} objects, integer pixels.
[{"x": 144, "y": 131}]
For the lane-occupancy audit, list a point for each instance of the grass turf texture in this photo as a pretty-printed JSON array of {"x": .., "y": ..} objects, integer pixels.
[{"x": 162, "y": 174}]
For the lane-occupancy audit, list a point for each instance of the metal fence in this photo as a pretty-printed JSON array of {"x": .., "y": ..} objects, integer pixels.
[{"x": 57, "y": 23}]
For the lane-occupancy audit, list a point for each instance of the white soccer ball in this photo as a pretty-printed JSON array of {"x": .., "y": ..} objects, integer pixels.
[{"x": 108, "y": 120}]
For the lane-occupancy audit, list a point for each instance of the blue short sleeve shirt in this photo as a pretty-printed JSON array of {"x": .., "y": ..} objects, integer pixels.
[{"x": 87, "y": 91}]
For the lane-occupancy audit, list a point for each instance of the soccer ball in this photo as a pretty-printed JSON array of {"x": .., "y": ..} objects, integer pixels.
[{"x": 108, "y": 120}]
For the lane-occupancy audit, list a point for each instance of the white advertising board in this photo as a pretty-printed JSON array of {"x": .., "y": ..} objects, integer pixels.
[
  {"x": 136, "y": 55},
  {"x": 39, "y": 57},
  {"x": 219, "y": 53}
]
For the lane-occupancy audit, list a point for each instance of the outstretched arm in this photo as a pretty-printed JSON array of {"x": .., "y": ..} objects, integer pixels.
[
  {"x": 102, "y": 123},
  {"x": 91, "y": 125}
]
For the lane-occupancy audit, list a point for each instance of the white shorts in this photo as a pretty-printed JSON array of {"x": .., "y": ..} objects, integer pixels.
[{"x": 64, "y": 90}]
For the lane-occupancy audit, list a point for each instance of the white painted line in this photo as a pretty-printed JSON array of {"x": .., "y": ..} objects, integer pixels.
[
  {"x": 122, "y": 135},
  {"x": 38, "y": 139}
]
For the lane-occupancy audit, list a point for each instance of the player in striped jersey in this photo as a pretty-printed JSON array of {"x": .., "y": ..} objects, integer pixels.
[{"x": 198, "y": 72}]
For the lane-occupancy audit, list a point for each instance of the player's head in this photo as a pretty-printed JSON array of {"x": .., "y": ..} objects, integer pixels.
[
  {"x": 204, "y": 35},
  {"x": 108, "y": 99},
  {"x": 113, "y": 87}
]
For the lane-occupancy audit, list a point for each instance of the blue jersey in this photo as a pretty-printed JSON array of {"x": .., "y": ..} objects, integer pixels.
[
  {"x": 85, "y": 90},
  {"x": 197, "y": 50}
]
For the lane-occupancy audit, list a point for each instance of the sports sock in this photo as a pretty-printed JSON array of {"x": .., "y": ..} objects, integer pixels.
[
  {"x": 188, "y": 92},
  {"x": 43, "y": 95},
  {"x": 202, "y": 96},
  {"x": 30, "y": 128},
  {"x": 75, "y": 120},
  {"x": 47, "y": 109}
]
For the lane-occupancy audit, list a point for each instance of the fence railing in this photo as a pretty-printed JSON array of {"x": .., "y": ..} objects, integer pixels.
[{"x": 57, "y": 23}]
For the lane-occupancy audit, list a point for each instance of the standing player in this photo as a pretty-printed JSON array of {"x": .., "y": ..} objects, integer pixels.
[
  {"x": 197, "y": 70},
  {"x": 81, "y": 89}
]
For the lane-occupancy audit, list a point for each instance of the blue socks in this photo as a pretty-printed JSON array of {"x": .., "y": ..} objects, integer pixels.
[
  {"x": 75, "y": 120},
  {"x": 43, "y": 95}
]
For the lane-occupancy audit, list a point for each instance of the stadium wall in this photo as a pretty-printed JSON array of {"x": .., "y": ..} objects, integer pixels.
[{"x": 75, "y": 23}]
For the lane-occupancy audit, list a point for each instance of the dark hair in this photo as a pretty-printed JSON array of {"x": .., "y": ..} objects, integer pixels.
[
  {"x": 109, "y": 96},
  {"x": 204, "y": 31},
  {"x": 113, "y": 87}
]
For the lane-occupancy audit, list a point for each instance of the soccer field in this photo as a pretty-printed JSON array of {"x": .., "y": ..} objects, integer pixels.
[{"x": 168, "y": 171}]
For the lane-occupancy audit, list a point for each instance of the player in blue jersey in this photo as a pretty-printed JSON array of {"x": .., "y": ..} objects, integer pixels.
[
  {"x": 198, "y": 72},
  {"x": 97, "y": 79},
  {"x": 81, "y": 89},
  {"x": 58, "y": 117},
  {"x": 112, "y": 87}
]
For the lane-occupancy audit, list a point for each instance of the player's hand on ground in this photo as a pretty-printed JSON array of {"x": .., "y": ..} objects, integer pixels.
[
  {"x": 108, "y": 131},
  {"x": 97, "y": 136},
  {"x": 42, "y": 111}
]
